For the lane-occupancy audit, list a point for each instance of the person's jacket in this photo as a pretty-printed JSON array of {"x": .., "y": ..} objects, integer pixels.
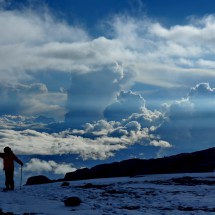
[{"x": 8, "y": 160}]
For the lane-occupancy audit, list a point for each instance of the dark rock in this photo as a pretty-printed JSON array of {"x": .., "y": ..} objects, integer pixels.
[
  {"x": 29, "y": 214},
  {"x": 7, "y": 213},
  {"x": 72, "y": 201},
  {"x": 38, "y": 180},
  {"x": 65, "y": 184},
  {"x": 93, "y": 186},
  {"x": 131, "y": 207}
]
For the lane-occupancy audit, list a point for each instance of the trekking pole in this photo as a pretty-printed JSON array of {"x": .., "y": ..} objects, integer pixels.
[{"x": 21, "y": 179}]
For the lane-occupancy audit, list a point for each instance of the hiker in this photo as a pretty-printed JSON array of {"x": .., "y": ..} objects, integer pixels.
[{"x": 8, "y": 162}]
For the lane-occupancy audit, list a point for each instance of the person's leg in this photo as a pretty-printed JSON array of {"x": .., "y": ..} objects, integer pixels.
[
  {"x": 7, "y": 179},
  {"x": 11, "y": 181}
]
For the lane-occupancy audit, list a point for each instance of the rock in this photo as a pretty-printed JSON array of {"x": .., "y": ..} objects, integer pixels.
[
  {"x": 29, "y": 214},
  {"x": 38, "y": 180},
  {"x": 65, "y": 184},
  {"x": 93, "y": 186},
  {"x": 72, "y": 201},
  {"x": 7, "y": 213}
]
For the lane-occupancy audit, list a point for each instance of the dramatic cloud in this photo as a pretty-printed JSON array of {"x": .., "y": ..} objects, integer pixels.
[
  {"x": 49, "y": 67},
  {"x": 36, "y": 47},
  {"x": 190, "y": 121}
]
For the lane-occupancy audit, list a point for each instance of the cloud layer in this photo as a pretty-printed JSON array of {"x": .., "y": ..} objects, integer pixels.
[
  {"x": 51, "y": 68},
  {"x": 33, "y": 47}
]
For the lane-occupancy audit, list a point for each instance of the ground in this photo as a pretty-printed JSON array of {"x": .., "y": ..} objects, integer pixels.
[{"x": 151, "y": 194}]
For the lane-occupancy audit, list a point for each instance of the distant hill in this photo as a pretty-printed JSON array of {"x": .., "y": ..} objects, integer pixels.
[{"x": 200, "y": 161}]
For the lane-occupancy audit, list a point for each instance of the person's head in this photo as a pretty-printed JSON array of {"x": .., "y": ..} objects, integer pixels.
[{"x": 7, "y": 150}]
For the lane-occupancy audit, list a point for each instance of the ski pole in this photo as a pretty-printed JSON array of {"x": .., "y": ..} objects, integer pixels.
[{"x": 21, "y": 179}]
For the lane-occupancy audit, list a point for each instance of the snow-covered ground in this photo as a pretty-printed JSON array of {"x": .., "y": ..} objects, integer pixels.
[{"x": 151, "y": 194}]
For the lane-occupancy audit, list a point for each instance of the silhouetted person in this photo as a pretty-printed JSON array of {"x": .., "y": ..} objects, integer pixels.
[{"x": 8, "y": 162}]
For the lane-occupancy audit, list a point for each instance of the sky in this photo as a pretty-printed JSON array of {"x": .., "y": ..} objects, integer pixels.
[{"x": 87, "y": 82}]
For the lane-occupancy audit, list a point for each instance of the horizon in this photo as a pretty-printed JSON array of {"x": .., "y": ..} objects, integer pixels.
[{"x": 91, "y": 82}]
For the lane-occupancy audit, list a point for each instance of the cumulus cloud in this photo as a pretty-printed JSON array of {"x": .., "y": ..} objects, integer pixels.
[
  {"x": 160, "y": 143},
  {"x": 126, "y": 104},
  {"x": 190, "y": 121},
  {"x": 42, "y": 166},
  {"x": 98, "y": 140},
  {"x": 147, "y": 118},
  {"x": 202, "y": 90}
]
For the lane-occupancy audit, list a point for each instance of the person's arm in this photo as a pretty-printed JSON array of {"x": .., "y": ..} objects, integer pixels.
[
  {"x": 1, "y": 155},
  {"x": 18, "y": 160}
]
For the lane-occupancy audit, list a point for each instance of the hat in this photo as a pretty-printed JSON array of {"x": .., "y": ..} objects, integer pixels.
[{"x": 7, "y": 149}]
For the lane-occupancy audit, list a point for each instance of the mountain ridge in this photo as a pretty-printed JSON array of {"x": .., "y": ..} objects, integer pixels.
[
  {"x": 194, "y": 162},
  {"x": 199, "y": 161}
]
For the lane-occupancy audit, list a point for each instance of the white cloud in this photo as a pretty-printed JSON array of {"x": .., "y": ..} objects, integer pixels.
[
  {"x": 27, "y": 35},
  {"x": 157, "y": 50},
  {"x": 39, "y": 166},
  {"x": 160, "y": 143},
  {"x": 19, "y": 122},
  {"x": 32, "y": 142}
]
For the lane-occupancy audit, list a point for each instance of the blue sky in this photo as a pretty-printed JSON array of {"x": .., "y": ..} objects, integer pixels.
[{"x": 86, "y": 82}]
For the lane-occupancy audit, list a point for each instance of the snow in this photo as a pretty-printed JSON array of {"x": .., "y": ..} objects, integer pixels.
[{"x": 150, "y": 194}]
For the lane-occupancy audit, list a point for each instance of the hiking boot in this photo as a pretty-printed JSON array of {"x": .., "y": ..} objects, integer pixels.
[{"x": 6, "y": 189}]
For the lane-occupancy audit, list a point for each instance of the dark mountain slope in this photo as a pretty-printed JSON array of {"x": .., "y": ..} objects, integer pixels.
[{"x": 200, "y": 161}]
